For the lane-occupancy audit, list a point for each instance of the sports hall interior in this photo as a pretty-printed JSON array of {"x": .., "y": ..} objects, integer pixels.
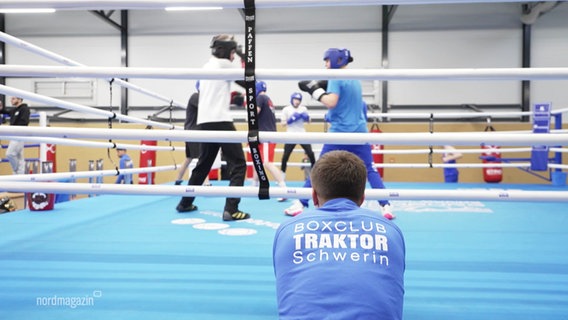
[{"x": 135, "y": 257}]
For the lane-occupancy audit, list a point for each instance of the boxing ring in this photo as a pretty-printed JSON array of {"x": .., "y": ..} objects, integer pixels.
[
  {"x": 474, "y": 251},
  {"x": 134, "y": 257}
]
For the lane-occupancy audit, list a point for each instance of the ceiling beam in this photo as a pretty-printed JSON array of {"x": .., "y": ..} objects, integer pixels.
[{"x": 161, "y": 4}]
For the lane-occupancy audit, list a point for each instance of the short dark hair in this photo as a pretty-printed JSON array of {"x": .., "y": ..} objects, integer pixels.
[{"x": 339, "y": 174}]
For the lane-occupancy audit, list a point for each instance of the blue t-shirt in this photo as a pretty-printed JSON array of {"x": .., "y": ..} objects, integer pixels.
[
  {"x": 339, "y": 261},
  {"x": 124, "y": 163},
  {"x": 348, "y": 115},
  {"x": 266, "y": 117},
  {"x": 451, "y": 173}
]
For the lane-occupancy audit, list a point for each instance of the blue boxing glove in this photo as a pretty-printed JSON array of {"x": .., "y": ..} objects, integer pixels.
[
  {"x": 293, "y": 118},
  {"x": 305, "y": 116},
  {"x": 313, "y": 88}
]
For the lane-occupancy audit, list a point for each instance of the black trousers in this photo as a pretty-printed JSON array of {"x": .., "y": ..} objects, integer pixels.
[
  {"x": 288, "y": 148},
  {"x": 232, "y": 153}
]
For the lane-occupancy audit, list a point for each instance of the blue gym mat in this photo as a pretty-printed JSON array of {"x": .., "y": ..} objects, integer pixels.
[{"x": 135, "y": 257}]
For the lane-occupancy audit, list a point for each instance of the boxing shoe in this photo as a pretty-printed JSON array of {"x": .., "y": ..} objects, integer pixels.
[
  {"x": 295, "y": 209},
  {"x": 386, "y": 210},
  {"x": 181, "y": 208},
  {"x": 237, "y": 215}
]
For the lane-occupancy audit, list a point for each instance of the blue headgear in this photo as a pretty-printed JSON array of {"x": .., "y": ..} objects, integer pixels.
[
  {"x": 260, "y": 87},
  {"x": 337, "y": 57},
  {"x": 222, "y": 45},
  {"x": 295, "y": 95}
]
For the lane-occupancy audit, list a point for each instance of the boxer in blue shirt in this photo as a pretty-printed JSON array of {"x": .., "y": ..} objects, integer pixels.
[{"x": 344, "y": 101}]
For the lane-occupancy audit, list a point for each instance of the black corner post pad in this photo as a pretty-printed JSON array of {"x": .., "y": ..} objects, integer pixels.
[
  {"x": 249, "y": 4},
  {"x": 264, "y": 184},
  {"x": 250, "y": 87}
]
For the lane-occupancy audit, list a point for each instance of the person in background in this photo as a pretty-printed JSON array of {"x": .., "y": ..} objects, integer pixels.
[
  {"x": 19, "y": 116},
  {"x": 191, "y": 148},
  {"x": 450, "y": 156},
  {"x": 307, "y": 169},
  {"x": 2, "y": 114},
  {"x": 267, "y": 122},
  {"x": 339, "y": 261},
  {"x": 124, "y": 163},
  {"x": 294, "y": 117}
]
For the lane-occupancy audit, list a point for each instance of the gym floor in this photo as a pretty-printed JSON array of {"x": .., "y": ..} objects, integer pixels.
[{"x": 135, "y": 257}]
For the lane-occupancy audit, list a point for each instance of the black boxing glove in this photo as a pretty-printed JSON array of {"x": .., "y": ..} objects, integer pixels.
[
  {"x": 313, "y": 88},
  {"x": 240, "y": 52},
  {"x": 323, "y": 84}
]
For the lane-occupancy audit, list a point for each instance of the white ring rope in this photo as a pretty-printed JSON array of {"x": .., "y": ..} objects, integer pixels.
[
  {"x": 425, "y": 165},
  {"x": 80, "y": 174},
  {"x": 101, "y": 173},
  {"x": 317, "y": 114},
  {"x": 461, "y": 74},
  {"x": 260, "y": 4},
  {"x": 442, "y": 151},
  {"x": 80, "y": 108},
  {"x": 453, "y": 165},
  {"x": 6, "y": 38},
  {"x": 437, "y": 151},
  {"x": 563, "y": 150},
  {"x": 448, "y": 115},
  {"x": 436, "y": 165},
  {"x": 297, "y": 193},
  {"x": 452, "y": 138},
  {"x": 559, "y": 111},
  {"x": 93, "y": 144},
  {"x": 558, "y": 166}
]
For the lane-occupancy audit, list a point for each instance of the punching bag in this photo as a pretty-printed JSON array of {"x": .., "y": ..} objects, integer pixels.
[
  {"x": 147, "y": 159},
  {"x": 50, "y": 155},
  {"x": 377, "y": 157},
  {"x": 491, "y": 174}
]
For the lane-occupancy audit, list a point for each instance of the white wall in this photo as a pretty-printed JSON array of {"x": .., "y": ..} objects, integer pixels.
[
  {"x": 92, "y": 51},
  {"x": 419, "y": 49},
  {"x": 455, "y": 49},
  {"x": 550, "y": 49}
]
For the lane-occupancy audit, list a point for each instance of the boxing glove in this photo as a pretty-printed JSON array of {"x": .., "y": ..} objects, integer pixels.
[
  {"x": 312, "y": 87},
  {"x": 293, "y": 118},
  {"x": 240, "y": 52},
  {"x": 323, "y": 84},
  {"x": 305, "y": 116}
]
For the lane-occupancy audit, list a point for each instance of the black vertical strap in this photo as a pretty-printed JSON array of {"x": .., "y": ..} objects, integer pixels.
[{"x": 250, "y": 86}]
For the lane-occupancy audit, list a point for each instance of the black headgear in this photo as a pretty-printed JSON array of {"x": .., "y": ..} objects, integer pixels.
[{"x": 222, "y": 45}]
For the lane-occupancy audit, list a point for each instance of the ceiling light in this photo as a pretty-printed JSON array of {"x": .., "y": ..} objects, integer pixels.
[
  {"x": 192, "y": 8},
  {"x": 45, "y": 10}
]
